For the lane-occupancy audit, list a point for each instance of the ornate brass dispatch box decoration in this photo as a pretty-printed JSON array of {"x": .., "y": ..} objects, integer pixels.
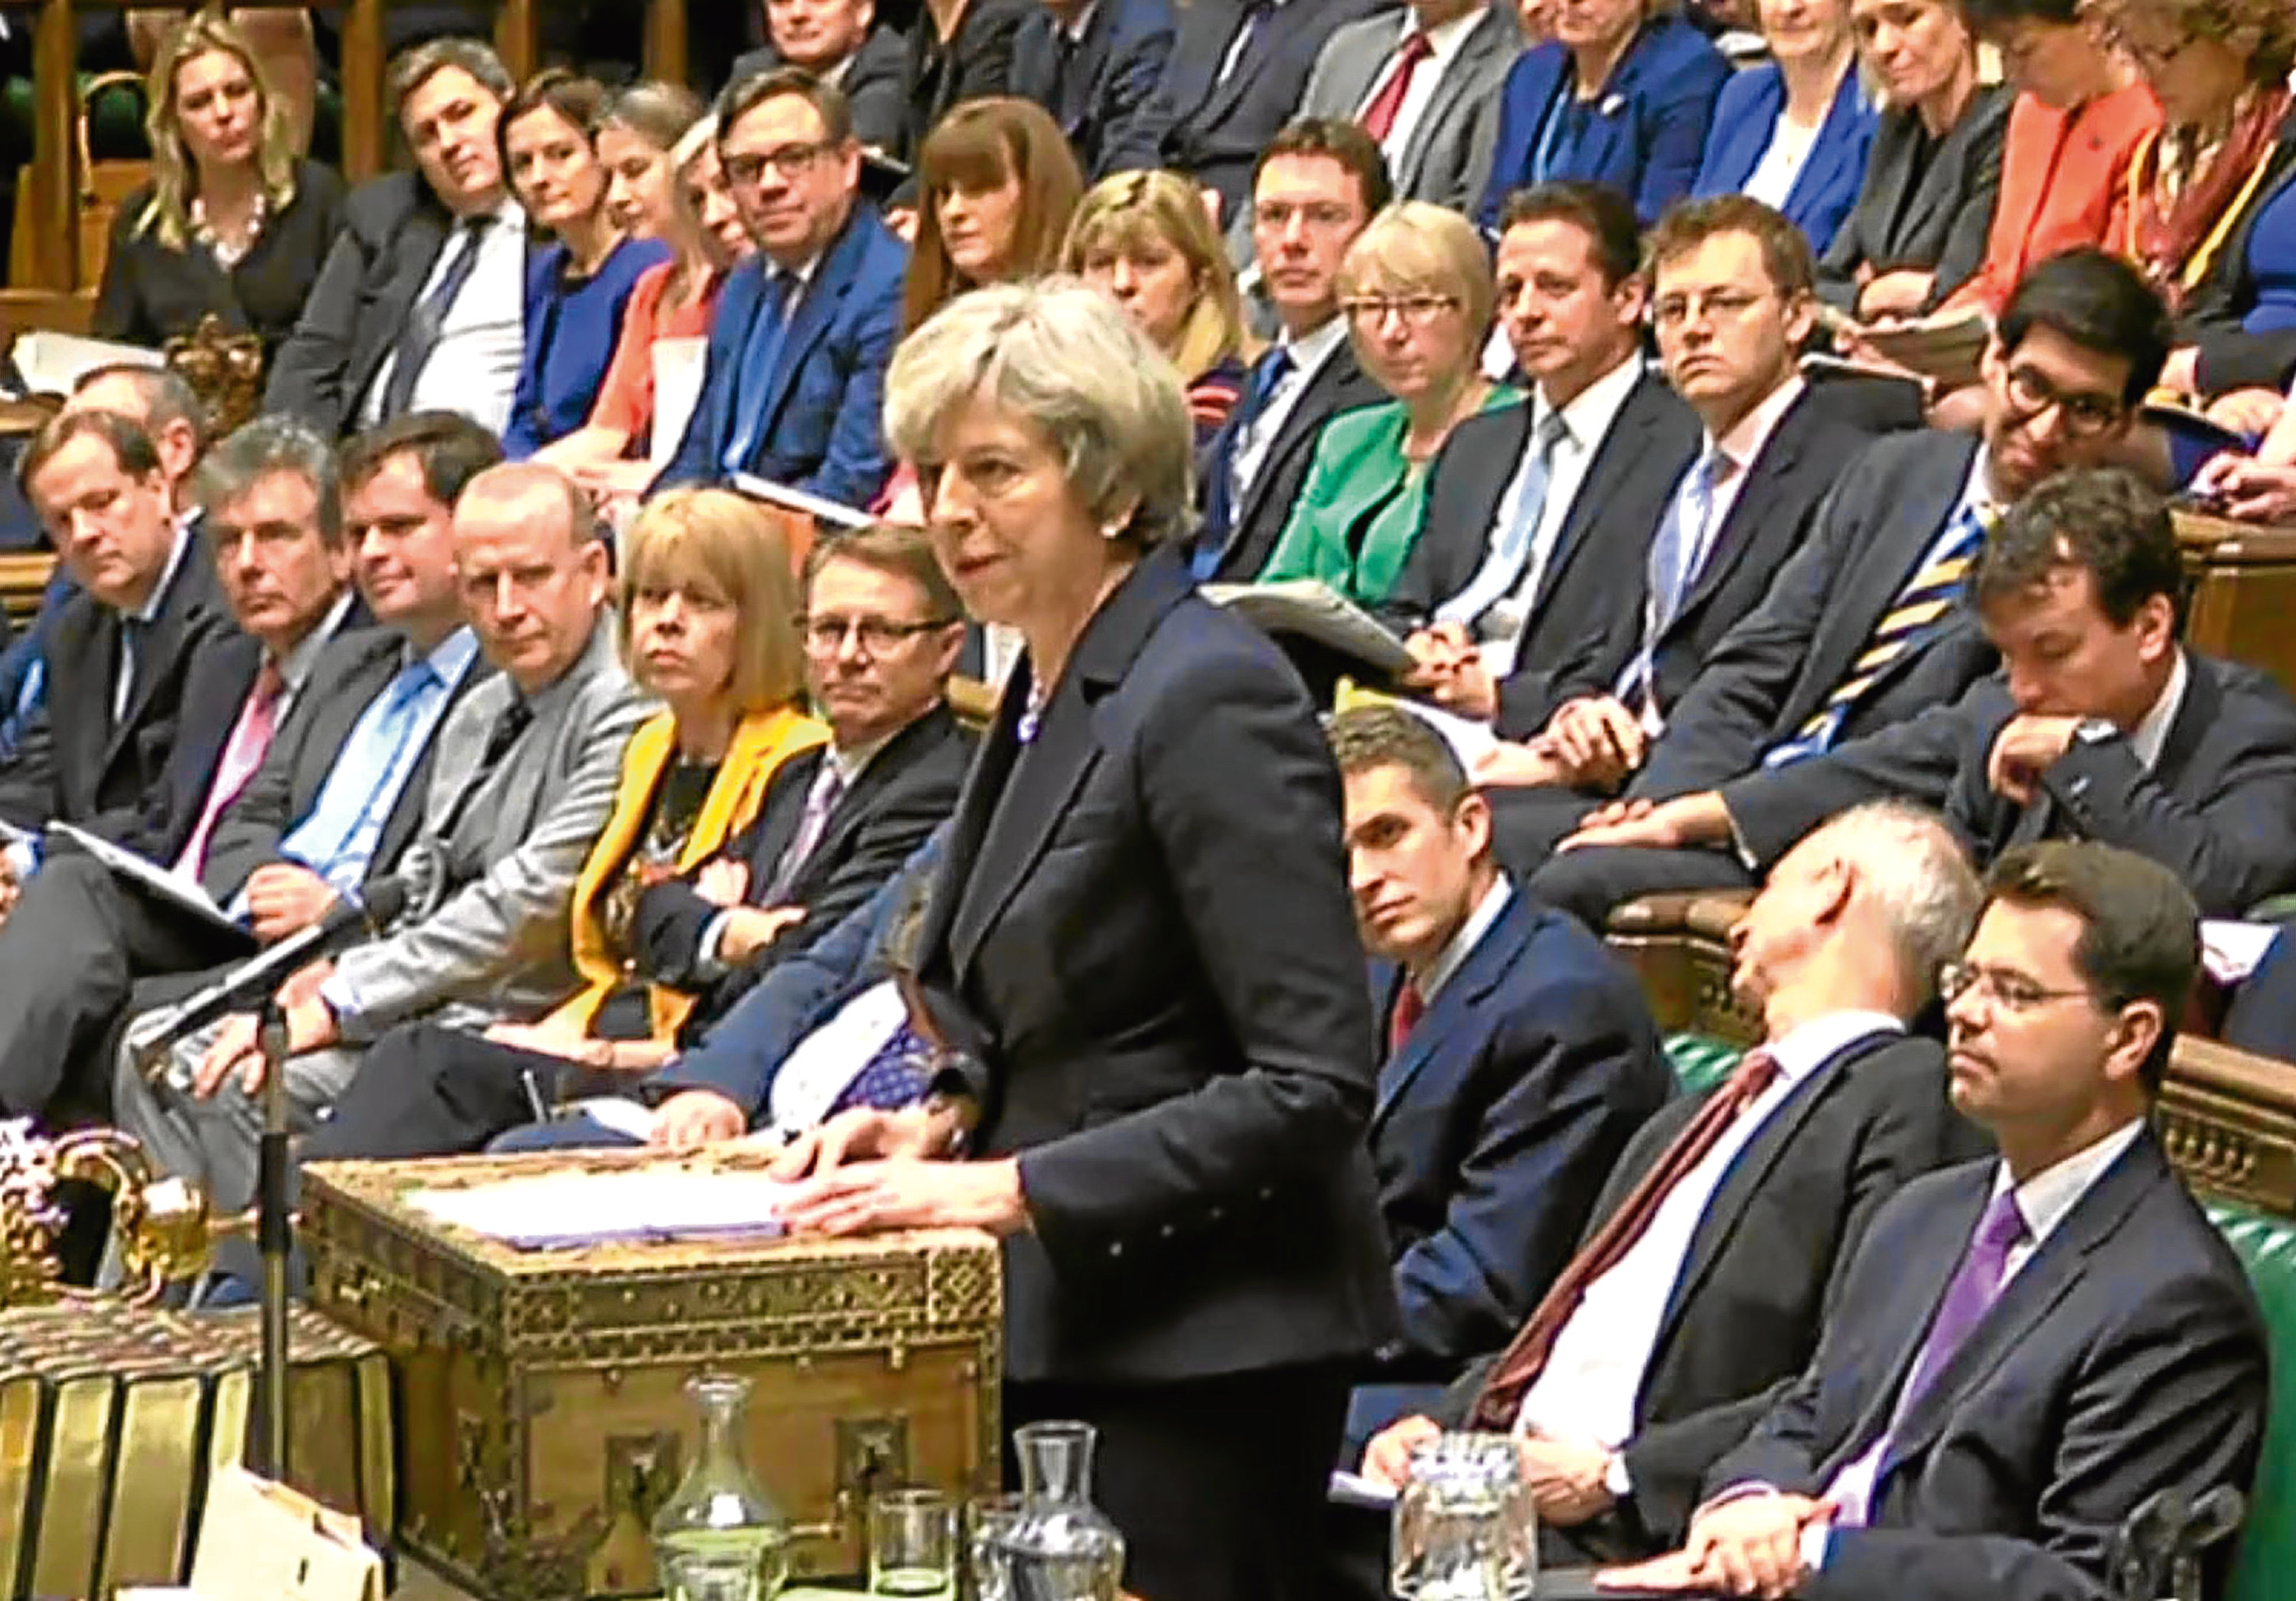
[
  {"x": 542, "y": 1417},
  {"x": 113, "y": 1417}
]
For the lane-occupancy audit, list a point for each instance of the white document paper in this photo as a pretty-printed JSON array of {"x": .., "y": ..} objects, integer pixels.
[
  {"x": 51, "y": 362},
  {"x": 175, "y": 889},
  {"x": 2231, "y": 949},
  {"x": 828, "y": 513},
  {"x": 677, "y": 369},
  {"x": 1316, "y": 610},
  {"x": 1353, "y": 1489},
  {"x": 555, "y": 1210}
]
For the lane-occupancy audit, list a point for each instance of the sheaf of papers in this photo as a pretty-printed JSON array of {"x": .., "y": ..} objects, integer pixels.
[
  {"x": 557, "y": 1211},
  {"x": 51, "y": 363},
  {"x": 1353, "y": 1489},
  {"x": 178, "y": 889},
  {"x": 2230, "y": 949}
]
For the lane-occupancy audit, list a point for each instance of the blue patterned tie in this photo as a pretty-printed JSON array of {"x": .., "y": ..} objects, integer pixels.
[
  {"x": 898, "y": 1075},
  {"x": 1675, "y": 556},
  {"x": 1267, "y": 375}
]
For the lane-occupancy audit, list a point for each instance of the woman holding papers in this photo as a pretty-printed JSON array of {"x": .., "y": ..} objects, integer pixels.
[
  {"x": 687, "y": 207},
  {"x": 1416, "y": 289},
  {"x": 708, "y": 608},
  {"x": 233, "y": 225},
  {"x": 577, "y": 289},
  {"x": 1146, "y": 239},
  {"x": 1159, "y": 1053}
]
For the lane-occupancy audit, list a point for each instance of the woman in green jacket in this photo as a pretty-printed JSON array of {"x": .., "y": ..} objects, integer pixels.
[{"x": 1416, "y": 289}]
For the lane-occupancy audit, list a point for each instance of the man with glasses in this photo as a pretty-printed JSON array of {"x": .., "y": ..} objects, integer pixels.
[
  {"x": 2100, "y": 724},
  {"x": 1731, "y": 296},
  {"x": 2023, "y": 1350},
  {"x": 1317, "y": 186},
  {"x": 795, "y": 374},
  {"x": 1863, "y": 626}
]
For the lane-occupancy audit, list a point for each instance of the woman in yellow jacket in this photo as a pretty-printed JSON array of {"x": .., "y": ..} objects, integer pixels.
[{"x": 708, "y": 625}]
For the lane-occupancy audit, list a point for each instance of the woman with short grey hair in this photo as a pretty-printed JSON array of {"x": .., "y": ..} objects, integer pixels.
[{"x": 1156, "y": 1053}]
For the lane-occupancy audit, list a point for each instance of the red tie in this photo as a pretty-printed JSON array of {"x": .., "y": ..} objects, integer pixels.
[
  {"x": 1378, "y": 115},
  {"x": 242, "y": 753},
  {"x": 1409, "y": 1008},
  {"x": 1515, "y": 1372}
]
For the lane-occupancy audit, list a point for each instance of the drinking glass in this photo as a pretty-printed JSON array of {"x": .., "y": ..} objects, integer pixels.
[
  {"x": 913, "y": 1545},
  {"x": 988, "y": 1518}
]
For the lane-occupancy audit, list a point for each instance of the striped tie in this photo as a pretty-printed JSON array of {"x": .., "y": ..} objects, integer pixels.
[{"x": 1921, "y": 609}]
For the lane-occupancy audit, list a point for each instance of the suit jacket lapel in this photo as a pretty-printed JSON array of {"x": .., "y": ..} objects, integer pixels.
[
  {"x": 814, "y": 313},
  {"x": 1622, "y": 455},
  {"x": 1483, "y": 40},
  {"x": 163, "y": 641},
  {"x": 420, "y": 239},
  {"x": 1766, "y": 480},
  {"x": 1306, "y": 419},
  {"x": 1223, "y": 97},
  {"x": 1487, "y": 964},
  {"x": 859, "y": 800},
  {"x": 2053, "y": 1269},
  {"x": 783, "y": 810}
]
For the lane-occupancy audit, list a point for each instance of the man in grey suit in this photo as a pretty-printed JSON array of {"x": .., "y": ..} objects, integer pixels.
[{"x": 524, "y": 778}]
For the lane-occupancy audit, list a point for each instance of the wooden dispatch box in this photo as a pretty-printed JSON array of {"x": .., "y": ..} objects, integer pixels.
[
  {"x": 540, "y": 1393},
  {"x": 113, "y": 1418}
]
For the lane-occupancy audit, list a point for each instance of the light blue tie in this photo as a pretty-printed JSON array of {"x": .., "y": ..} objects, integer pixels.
[
  {"x": 1676, "y": 555},
  {"x": 753, "y": 377},
  {"x": 337, "y": 840},
  {"x": 1505, "y": 562}
]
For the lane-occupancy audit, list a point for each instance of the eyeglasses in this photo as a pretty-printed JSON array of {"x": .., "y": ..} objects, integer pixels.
[
  {"x": 1721, "y": 305},
  {"x": 879, "y": 636},
  {"x": 2011, "y": 991},
  {"x": 2086, "y": 416},
  {"x": 747, "y": 166},
  {"x": 1416, "y": 311}
]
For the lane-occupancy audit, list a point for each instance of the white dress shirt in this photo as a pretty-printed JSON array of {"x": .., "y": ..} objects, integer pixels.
[
  {"x": 1782, "y": 159},
  {"x": 1587, "y": 1390},
  {"x": 2153, "y": 732},
  {"x": 1748, "y": 438},
  {"x": 1444, "y": 44},
  {"x": 1469, "y": 934},
  {"x": 473, "y": 369},
  {"x": 820, "y": 1065},
  {"x": 1586, "y": 421},
  {"x": 1308, "y": 355}
]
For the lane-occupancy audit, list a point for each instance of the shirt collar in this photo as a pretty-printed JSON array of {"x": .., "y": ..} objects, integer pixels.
[
  {"x": 1748, "y": 437},
  {"x": 155, "y": 602},
  {"x": 2153, "y": 732},
  {"x": 2049, "y": 1197},
  {"x": 1807, "y": 1047},
  {"x": 295, "y": 671},
  {"x": 450, "y": 658},
  {"x": 1076, "y": 31},
  {"x": 1589, "y": 413},
  {"x": 1470, "y": 935},
  {"x": 1309, "y": 351},
  {"x": 1443, "y": 41},
  {"x": 1977, "y": 489}
]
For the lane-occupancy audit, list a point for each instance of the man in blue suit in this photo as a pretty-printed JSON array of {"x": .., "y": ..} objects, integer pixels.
[
  {"x": 1095, "y": 65},
  {"x": 1520, "y": 1059},
  {"x": 796, "y": 367}
]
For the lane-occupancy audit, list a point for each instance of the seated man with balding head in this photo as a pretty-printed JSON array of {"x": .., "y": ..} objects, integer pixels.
[
  {"x": 522, "y": 779},
  {"x": 1708, "y": 1259}
]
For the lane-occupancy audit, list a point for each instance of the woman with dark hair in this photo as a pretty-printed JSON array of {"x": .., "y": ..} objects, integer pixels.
[
  {"x": 233, "y": 225},
  {"x": 577, "y": 289},
  {"x": 998, "y": 186}
]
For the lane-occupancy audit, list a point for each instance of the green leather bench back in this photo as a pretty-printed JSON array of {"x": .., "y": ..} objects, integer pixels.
[{"x": 2266, "y": 1569}]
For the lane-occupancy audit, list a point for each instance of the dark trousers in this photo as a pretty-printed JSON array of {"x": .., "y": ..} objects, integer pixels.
[
  {"x": 1217, "y": 1484},
  {"x": 1588, "y": 884},
  {"x": 70, "y": 954},
  {"x": 427, "y": 1091}
]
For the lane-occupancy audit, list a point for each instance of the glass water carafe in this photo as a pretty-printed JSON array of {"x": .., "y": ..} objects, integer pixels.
[
  {"x": 720, "y": 1538},
  {"x": 1464, "y": 1528},
  {"x": 1060, "y": 1547}
]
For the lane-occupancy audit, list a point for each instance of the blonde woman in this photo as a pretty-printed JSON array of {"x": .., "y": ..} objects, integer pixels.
[
  {"x": 233, "y": 225},
  {"x": 616, "y": 453},
  {"x": 1416, "y": 289},
  {"x": 1145, "y": 240},
  {"x": 708, "y": 607}
]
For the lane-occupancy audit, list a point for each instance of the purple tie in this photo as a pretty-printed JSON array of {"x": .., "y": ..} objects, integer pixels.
[
  {"x": 1976, "y": 1285},
  {"x": 898, "y": 1075}
]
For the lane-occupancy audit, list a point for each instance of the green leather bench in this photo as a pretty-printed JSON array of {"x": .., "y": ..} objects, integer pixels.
[{"x": 2266, "y": 1569}]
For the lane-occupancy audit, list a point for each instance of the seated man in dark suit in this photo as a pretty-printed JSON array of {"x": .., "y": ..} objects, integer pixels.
[
  {"x": 1096, "y": 66},
  {"x": 1691, "y": 1297},
  {"x": 1731, "y": 293},
  {"x": 795, "y": 374},
  {"x": 116, "y": 659},
  {"x": 421, "y": 304},
  {"x": 840, "y": 43},
  {"x": 2100, "y": 724},
  {"x": 1520, "y": 1059},
  {"x": 1234, "y": 77},
  {"x": 1538, "y": 516},
  {"x": 336, "y": 797},
  {"x": 881, "y": 635},
  {"x": 1863, "y": 627},
  {"x": 158, "y": 400},
  {"x": 2086, "y": 1338},
  {"x": 1316, "y": 187}
]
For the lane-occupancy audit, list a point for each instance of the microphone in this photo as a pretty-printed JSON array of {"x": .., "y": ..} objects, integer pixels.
[{"x": 352, "y": 919}]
